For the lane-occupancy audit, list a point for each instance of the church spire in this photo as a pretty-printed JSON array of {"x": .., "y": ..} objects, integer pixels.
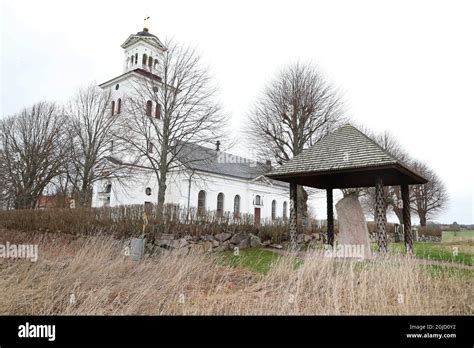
[{"x": 145, "y": 23}]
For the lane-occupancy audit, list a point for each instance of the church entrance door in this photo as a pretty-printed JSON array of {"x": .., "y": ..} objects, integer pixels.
[{"x": 257, "y": 217}]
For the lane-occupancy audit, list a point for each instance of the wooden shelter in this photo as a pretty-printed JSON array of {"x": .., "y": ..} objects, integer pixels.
[{"x": 347, "y": 158}]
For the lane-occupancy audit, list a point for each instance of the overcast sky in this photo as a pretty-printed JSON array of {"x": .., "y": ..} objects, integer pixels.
[{"x": 404, "y": 66}]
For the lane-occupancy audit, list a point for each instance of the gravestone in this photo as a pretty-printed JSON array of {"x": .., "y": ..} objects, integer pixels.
[
  {"x": 353, "y": 230},
  {"x": 137, "y": 246},
  {"x": 396, "y": 233}
]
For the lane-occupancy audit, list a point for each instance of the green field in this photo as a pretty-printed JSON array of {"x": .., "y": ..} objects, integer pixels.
[
  {"x": 458, "y": 252},
  {"x": 261, "y": 261},
  {"x": 457, "y": 248},
  {"x": 449, "y": 236},
  {"x": 256, "y": 260}
]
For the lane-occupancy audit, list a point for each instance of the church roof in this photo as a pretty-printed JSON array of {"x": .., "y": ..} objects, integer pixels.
[
  {"x": 145, "y": 33},
  {"x": 345, "y": 158},
  {"x": 209, "y": 160},
  {"x": 204, "y": 159},
  {"x": 147, "y": 37},
  {"x": 139, "y": 71}
]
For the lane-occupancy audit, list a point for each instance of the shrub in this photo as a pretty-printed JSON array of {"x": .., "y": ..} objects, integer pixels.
[
  {"x": 126, "y": 221},
  {"x": 430, "y": 230}
]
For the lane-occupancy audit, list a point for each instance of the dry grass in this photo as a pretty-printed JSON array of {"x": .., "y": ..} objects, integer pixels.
[{"x": 104, "y": 281}]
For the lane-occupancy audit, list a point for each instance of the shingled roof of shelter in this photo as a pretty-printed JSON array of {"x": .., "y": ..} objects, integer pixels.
[{"x": 345, "y": 150}]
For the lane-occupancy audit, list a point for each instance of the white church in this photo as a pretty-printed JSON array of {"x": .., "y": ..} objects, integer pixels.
[{"x": 221, "y": 183}]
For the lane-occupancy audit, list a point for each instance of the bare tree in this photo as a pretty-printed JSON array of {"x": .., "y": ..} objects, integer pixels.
[
  {"x": 430, "y": 198},
  {"x": 169, "y": 114},
  {"x": 5, "y": 186},
  {"x": 91, "y": 128},
  {"x": 33, "y": 151},
  {"x": 391, "y": 194},
  {"x": 296, "y": 110}
]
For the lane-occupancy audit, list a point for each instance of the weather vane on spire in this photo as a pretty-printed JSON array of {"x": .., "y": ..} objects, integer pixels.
[{"x": 145, "y": 23}]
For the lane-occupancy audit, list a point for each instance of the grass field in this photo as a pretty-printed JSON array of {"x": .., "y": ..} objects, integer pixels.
[
  {"x": 450, "y": 236},
  {"x": 257, "y": 260},
  {"x": 457, "y": 249},
  {"x": 262, "y": 261},
  {"x": 104, "y": 281},
  {"x": 438, "y": 251}
]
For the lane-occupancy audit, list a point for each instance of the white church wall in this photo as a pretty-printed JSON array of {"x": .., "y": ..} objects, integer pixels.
[{"x": 178, "y": 187}]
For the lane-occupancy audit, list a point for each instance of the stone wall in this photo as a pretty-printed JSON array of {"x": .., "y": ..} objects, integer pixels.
[
  {"x": 167, "y": 243},
  {"x": 429, "y": 239}
]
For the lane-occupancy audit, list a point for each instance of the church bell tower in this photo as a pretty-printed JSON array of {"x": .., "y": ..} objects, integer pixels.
[{"x": 143, "y": 50}]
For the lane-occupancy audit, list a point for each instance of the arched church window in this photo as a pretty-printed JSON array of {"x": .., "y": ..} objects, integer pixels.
[
  {"x": 119, "y": 106},
  {"x": 108, "y": 188},
  {"x": 274, "y": 206},
  {"x": 201, "y": 202},
  {"x": 236, "y": 206},
  {"x": 150, "y": 62},
  {"x": 155, "y": 66},
  {"x": 220, "y": 204},
  {"x": 144, "y": 59},
  {"x": 113, "y": 107},
  {"x": 149, "y": 105},
  {"x": 158, "y": 111},
  {"x": 258, "y": 200}
]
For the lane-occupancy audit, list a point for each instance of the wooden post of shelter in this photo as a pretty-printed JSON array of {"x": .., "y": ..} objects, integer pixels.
[
  {"x": 330, "y": 216},
  {"x": 408, "y": 235},
  {"x": 293, "y": 215},
  {"x": 380, "y": 217}
]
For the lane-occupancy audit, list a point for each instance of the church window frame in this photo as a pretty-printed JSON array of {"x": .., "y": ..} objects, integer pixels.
[
  {"x": 220, "y": 204},
  {"x": 119, "y": 106},
  {"x": 237, "y": 206},
  {"x": 201, "y": 206},
  {"x": 149, "y": 106},
  {"x": 274, "y": 204}
]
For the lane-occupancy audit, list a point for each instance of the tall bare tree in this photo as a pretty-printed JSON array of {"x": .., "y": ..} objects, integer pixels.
[
  {"x": 5, "y": 185},
  {"x": 430, "y": 198},
  {"x": 391, "y": 194},
  {"x": 33, "y": 151},
  {"x": 297, "y": 108},
  {"x": 91, "y": 128},
  {"x": 169, "y": 113}
]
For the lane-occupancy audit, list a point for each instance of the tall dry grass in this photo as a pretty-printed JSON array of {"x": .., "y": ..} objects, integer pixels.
[{"x": 104, "y": 281}]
